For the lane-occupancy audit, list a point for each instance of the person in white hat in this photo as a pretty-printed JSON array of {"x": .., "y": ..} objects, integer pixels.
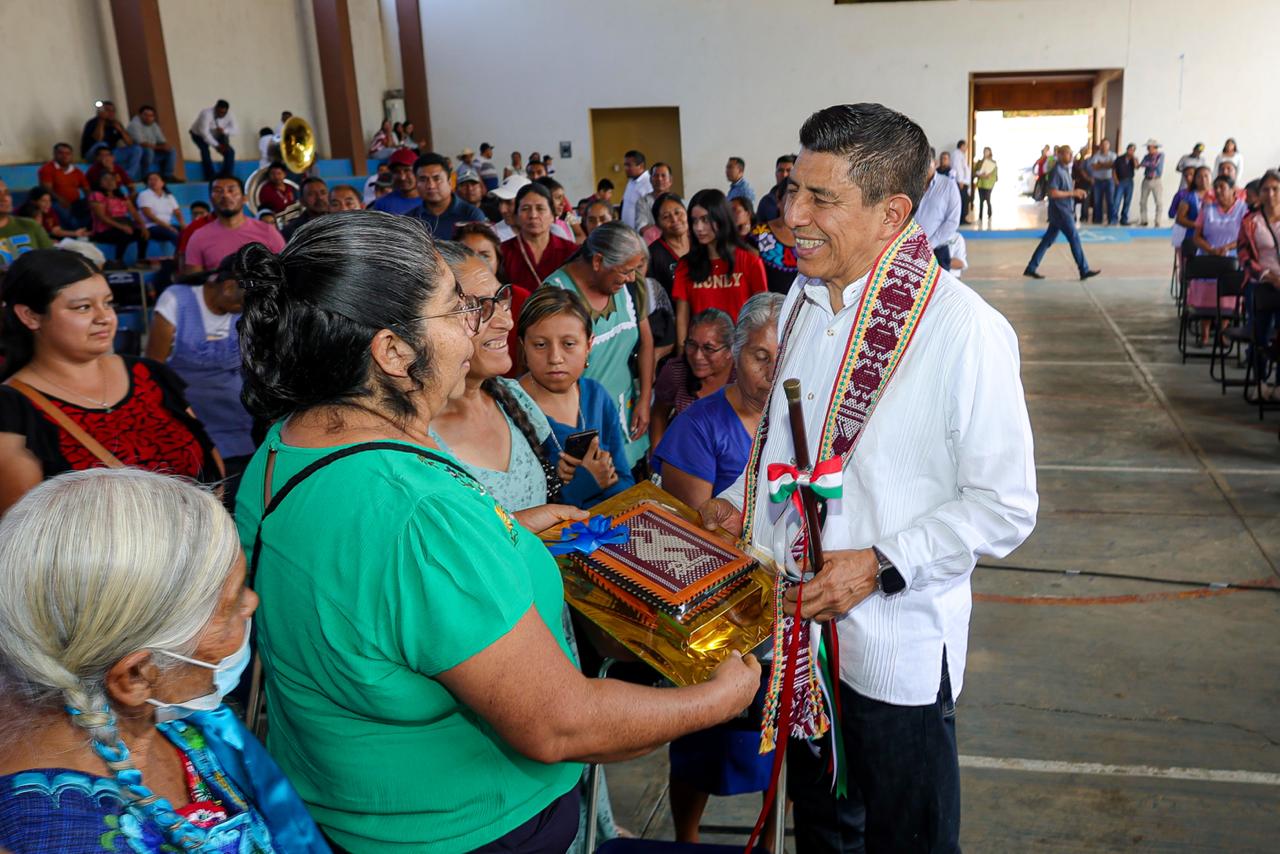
[
  {"x": 1152, "y": 167},
  {"x": 506, "y": 193}
]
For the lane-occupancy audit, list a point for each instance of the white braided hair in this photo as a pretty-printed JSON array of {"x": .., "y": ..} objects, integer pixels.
[{"x": 96, "y": 565}]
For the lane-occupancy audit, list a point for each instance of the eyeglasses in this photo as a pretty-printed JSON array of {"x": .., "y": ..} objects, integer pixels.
[
  {"x": 488, "y": 305},
  {"x": 472, "y": 308},
  {"x": 691, "y": 346}
]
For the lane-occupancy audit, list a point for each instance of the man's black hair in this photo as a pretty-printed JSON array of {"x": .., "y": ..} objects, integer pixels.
[
  {"x": 637, "y": 156},
  {"x": 604, "y": 184},
  {"x": 226, "y": 177},
  {"x": 887, "y": 153},
  {"x": 786, "y": 158},
  {"x": 222, "y": 104},
  {"x": 431, "y": 158},
  {"x": 742, "y": 164},
  {"x": 146, "y": 107}
]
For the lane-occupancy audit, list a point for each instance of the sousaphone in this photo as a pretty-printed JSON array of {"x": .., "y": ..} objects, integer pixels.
[{"x": 297, "y": 151}]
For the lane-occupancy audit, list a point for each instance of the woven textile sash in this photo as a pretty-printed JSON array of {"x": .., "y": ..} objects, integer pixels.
[{"x": 898, "y": 290}]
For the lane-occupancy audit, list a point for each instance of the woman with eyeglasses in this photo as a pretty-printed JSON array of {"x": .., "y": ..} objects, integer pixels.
[
  {"x": 703, "y": 368},
  {"x": 422, "y": 692},
  {"x": 493, "y": 427}
]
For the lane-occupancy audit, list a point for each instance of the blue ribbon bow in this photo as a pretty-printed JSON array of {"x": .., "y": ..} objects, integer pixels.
[{"x": 587, "y": 537}]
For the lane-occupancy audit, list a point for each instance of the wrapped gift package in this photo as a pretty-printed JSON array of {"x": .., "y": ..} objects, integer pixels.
[{"x": 676, "y": 596}]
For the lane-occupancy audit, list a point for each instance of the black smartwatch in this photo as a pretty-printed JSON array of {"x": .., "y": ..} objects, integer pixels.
[{"x": 888, "y": 580}]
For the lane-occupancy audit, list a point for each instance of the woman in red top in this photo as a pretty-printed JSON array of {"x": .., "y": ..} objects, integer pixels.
[
  {"x": 534, "y": 253},
  {"x": 721, "y": 270},
  {"x": 115, "y": 220},
  {"x": 59, "y": 325}
]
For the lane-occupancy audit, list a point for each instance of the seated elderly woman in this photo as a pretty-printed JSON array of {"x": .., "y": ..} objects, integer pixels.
[
  {"x": 124, "y": 621},
  {"x": 701, "y": 370},
  {"x": 703, "y": 453},
  {"x": 420, "y": 691}
]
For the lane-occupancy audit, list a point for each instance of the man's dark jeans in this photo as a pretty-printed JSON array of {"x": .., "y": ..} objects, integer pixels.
[
  {"x": 206, "y": 159},
  {"x": 1050, "y": 235},
  {"x": 903, "y": 776}
]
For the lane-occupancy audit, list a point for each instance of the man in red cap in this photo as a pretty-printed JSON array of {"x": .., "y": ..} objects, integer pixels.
[{"x": 403, "y": 197}]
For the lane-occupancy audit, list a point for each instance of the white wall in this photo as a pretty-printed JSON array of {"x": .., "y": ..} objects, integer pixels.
[
  {"x": 259, "y": 55},
  {"x": 371, "y": 69},
  {"x": 60, "y": 56},
  {"x": 57, "y": 59},
  {"x": 746, "y": 73}
]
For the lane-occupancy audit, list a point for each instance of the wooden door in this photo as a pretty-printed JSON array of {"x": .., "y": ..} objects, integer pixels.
[{"x": 654, "y": 131}]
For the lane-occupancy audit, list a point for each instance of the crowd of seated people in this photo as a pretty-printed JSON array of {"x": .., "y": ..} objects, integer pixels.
[{"x": 525, "y": 358}]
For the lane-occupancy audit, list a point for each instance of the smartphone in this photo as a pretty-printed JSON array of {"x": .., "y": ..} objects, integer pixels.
[{"x": 577, "y": 444}]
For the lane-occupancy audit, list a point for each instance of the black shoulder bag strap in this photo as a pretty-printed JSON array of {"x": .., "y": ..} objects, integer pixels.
[{"x": 273, "y": 502}]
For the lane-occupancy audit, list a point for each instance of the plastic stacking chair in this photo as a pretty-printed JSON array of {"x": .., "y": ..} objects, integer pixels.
[
  {"x": 1229, "y": 341},
  {"x": 1201, "y": 267}
]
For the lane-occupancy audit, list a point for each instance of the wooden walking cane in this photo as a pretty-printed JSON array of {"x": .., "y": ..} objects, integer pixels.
[
  {"x": 800, "y": 438},
  {"x": 809, "y": 501},
  {"x": 791, "y": 388}
]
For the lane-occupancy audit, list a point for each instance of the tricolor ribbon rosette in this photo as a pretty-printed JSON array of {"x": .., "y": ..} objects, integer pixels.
[{"x": 826, "y": 480}]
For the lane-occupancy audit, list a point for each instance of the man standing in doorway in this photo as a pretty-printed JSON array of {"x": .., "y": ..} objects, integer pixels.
[
  {"x": 638, "y": 184},
  {"x": 1123, "y": 169},
  {"x": 1062, "y": 199},
  {"x": 945, "y": 474},
  {"x": 962, "y": 172},
  {"x": 1100, "y": 168},
  {"x": 1152, "y": 167}
]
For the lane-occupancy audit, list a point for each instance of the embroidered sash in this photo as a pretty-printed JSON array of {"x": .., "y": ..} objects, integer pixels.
[{"x": 898, "y": 291}]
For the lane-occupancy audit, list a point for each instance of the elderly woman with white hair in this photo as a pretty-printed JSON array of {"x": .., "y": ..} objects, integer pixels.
[
  {"x": 702, "y": 453},
  {"x": 706, "y": 448},
  {"x": 124, "y": 621}
]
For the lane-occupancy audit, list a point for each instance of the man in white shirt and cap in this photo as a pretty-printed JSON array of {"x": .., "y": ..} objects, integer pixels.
[{"x": 918, "y": 433}]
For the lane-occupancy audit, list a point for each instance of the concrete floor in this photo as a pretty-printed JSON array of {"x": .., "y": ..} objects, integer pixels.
[{"x": 1104, "y": 714}]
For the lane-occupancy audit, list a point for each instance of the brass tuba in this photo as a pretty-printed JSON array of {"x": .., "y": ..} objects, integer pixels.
[{"x": 297, "y": 151}]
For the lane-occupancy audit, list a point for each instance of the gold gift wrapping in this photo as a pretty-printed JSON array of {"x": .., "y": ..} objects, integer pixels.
[{"x": 685, "y": 653}]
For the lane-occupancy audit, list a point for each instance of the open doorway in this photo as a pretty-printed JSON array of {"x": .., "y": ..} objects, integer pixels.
[
  {"x": 1016, "y": 115},
  {"x": 654, "y": 131}
]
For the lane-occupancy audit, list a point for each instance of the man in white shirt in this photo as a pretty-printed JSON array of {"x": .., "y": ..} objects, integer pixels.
[
  {"x": 638, "y": 185},
  {"x": 941, "y": 473},
  {"x": 215, "y": 129},
  {"x": 660, "y": 179},
  {"x": 961, "y": 171},
  {"x": 939, "y": 212}
]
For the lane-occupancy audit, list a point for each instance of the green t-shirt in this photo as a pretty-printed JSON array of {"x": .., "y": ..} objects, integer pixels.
[
  {"x": 20, "y": 235},
  {"x": 378, "y": 572}
]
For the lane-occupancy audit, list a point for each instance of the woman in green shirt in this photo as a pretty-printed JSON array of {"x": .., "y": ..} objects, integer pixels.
[{"x": 420, "y": 693}]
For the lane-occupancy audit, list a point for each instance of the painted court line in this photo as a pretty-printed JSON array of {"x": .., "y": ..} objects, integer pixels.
[
  {"x": 1046, "y": 766},
  {"x": 1071, "y": 363},
  {"x": 1155, "y": 469}
]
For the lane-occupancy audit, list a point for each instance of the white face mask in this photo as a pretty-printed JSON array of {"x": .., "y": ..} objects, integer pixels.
[{"x": 226, "y": 676}]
